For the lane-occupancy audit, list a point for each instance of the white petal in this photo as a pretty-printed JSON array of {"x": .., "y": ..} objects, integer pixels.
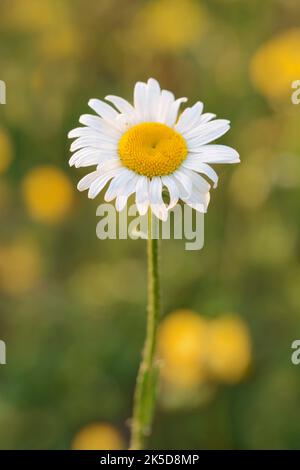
[
  {"x": 89, "y": 132},
  {"x": 197, "y": 126},
  {"x": 198, "y": 200},
  {"x": 207, "y": 133},
  {"x": 171, "y": 184},
  {"x": 85, "y": 157},
  {"x": 155, "y": 194},
  {"x": 183, "y": 178},
  {"x": 189, "y": 117},
  {"x": 153, "y": 99},
  {"x": 90, "y": 160},
  {"x": 153, "y": 86},
  {"x": 94, "y": 142},
  {"x": 100, "y": 182},
  {"x": 92, "y": 121},
  {"x": 165, "y": 102},
  {"x": 128, "y": 120},
  {"x": 123, "y": 105},
  {"x": 117, "y": 184},
  {"x": 87, "y": 180},
  {"x": 103, "y": 109},
  {"x": 197, "y": 181},
  {"x": 202, "y": 119},
  {"x": 197, "y": 165},
  {"x": 173, "y": 111},
  {"x": 206, "y": 117},
  {"x": 140, "y": 99},
  {"x": 110, "y": 164},
  {"x": 121, "y": 200},
  {"x": 100, "y": 125},
  {"x": 216, "y": 154},
  {"x": 210, "y": 173},
  {"x": 142, "y": 195},
  {"x": 81, "y": 131}
]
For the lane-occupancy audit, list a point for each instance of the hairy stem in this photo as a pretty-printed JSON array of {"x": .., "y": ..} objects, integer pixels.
[{"x": 145, "y": 392}]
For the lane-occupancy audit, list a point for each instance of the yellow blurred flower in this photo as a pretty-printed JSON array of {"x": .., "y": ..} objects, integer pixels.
[
  {"x": 6, "y": 151},
  {"x": 168, "y": 25},
  {"x": 50, "y": 23},
  {"x": 228, "y": 349},
  {"x": 276, "y": 65},
  {"x": 32, "y": 15},
  {"x": 47, "y": 193},
  {"x": 181, "y": 346},
  {"x": 20, "y": 267},
  {"x": 196, "y": 353},
  {"x": 98, "y": 436}
]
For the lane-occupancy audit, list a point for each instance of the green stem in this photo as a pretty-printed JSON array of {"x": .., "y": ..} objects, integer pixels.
[{"x": 145, "y": 391}]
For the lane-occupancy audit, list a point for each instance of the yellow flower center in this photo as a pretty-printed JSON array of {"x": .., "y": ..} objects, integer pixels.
[{"x": 152, "y": 149}]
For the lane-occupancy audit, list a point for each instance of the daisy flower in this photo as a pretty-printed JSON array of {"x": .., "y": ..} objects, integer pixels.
[{"x": 149, "y": 147}]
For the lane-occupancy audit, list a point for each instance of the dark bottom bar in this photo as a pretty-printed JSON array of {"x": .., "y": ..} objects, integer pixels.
[{"x": 134, "y": 459}]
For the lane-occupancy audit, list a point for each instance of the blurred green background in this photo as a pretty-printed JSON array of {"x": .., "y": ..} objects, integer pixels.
[{"x": 72, "y": 308}]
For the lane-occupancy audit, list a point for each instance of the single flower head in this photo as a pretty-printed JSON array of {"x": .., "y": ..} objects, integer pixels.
[{"x": 147, "y": 147}]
